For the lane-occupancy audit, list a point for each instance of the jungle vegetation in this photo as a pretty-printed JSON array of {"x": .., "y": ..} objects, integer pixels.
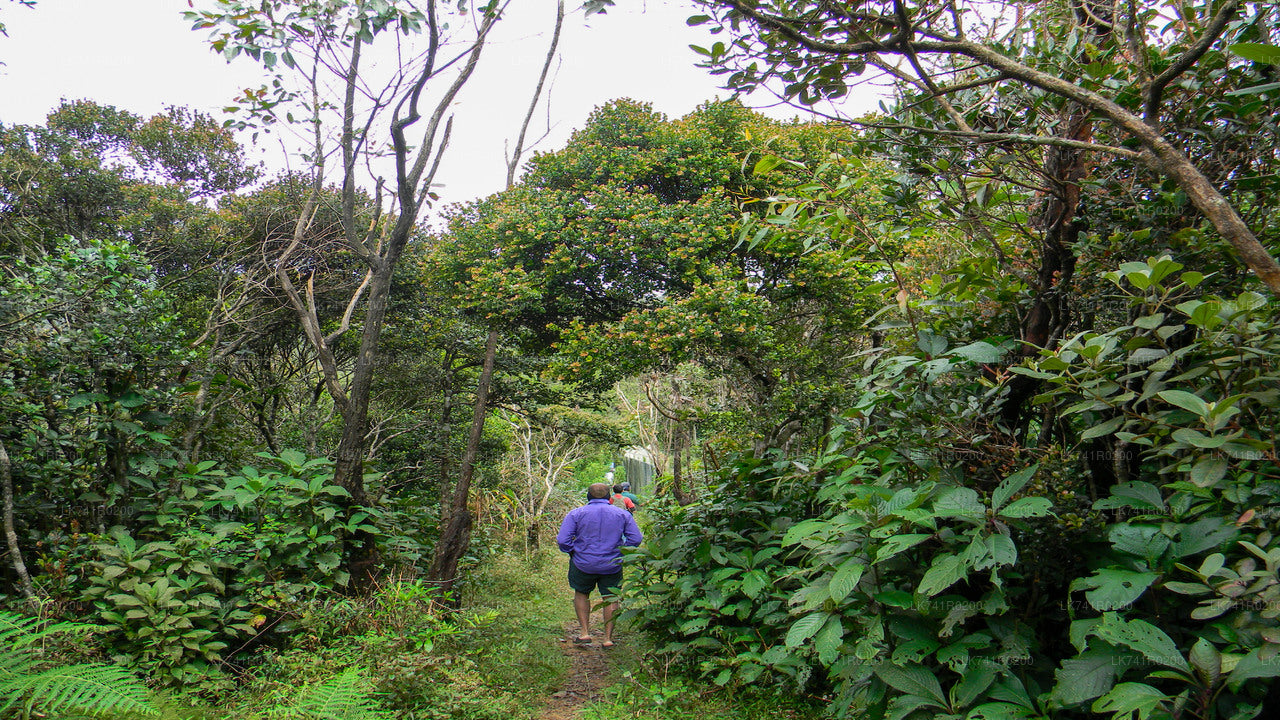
[{"x": 963, "y": 409}]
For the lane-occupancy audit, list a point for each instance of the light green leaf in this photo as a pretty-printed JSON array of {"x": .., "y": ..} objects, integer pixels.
[
  {"x": 1128, "y": 698},
  {"x": 1011, "y": 485},
  {"x": 1114, "y": 588},
  {"x": 1257, "y": 52},
  {"x": 1144, "y": 637},
  {"x": 804, "y": 628},
  {"x": 979, "y": 352},
  {"x": 1251, "y": 667},
  {"x": 1102, "y": 429},
  {"x": 829, "y": 640},
  {"x": 845, "y": 579},
  {"x": 1185, "y": 400},
  {"x": 913, "y": 680},
  {"x": 946, "y": 571},
  {"x": 898, "y": 544},
  {"x": 1027, "y": 507},
  {"x": 1208, "y": 471},
  {"x": 999, "y": 711}
]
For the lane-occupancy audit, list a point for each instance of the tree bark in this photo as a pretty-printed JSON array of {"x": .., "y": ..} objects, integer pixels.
[
  {"x": 444, "y": 433},
  {"x": 456, "y": 538},
  {"x": 1157, "y": 151},
  {"x": 1059, "y": 225},
  {"x": 10, "y": 532}
]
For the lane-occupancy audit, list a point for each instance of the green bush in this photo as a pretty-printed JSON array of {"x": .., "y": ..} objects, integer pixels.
[
  {"x": 914, "y": 572},
  {"x": 233, "y": 557}
]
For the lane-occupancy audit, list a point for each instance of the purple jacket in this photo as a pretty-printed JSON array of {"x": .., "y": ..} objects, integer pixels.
[{"x": 594, "y": 534}]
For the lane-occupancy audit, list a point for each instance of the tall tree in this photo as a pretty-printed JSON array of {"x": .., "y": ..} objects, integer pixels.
[
  {"x": 455, "y": 538},
  {"x": 1118, "y": 63},
  {"x": 317, "y": 52}
]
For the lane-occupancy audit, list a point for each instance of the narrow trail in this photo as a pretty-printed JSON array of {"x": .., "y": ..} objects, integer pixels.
[{"x": 590, "y": 671}]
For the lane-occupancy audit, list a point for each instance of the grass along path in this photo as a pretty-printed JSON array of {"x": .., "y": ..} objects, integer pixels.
[
  {"x": 589, "y": 682},
  {"x": 508, "y": 655}
]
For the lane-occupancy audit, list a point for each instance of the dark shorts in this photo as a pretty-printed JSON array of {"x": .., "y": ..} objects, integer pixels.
[{"x": 584, "y": 582}]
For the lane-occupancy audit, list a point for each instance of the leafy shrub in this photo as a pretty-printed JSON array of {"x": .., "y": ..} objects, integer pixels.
[
  {"x": 915, "y": 573},
  {"x": 235, "y": 556},
  {"x": 167, "y": 607}
]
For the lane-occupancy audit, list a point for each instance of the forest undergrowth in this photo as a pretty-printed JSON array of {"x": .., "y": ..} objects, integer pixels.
[{"x": 504, "y": 656}]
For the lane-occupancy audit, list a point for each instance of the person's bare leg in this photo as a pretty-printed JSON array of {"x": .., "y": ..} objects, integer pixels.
[
  {"x": 609, "y": 611},
  {"x": 582, "y": 606}
]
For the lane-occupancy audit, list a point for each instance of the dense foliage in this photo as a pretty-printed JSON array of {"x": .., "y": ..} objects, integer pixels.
[{"x": 966, "y": 412}]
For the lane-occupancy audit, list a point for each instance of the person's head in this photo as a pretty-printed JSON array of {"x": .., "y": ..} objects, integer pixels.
[
  {"x": 617, "y": 488},
  {"x": 596, "y": 491},
  {"x": 625, "y": 486}
]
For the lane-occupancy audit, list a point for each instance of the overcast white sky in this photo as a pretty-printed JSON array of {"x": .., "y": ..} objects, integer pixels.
[{"x": 140, "y": 55}]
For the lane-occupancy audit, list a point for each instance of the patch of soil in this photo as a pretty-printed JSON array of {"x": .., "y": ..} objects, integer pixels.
[{"x": 590, "y": 672}]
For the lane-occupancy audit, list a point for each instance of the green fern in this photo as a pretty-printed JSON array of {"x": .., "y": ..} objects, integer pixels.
[
  {"x": 345, "y": 697},
  {"x": 87, "y": 688}
]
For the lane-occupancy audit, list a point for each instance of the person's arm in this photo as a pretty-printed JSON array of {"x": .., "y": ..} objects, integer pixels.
[
  {"x": 631, "y": 532},
  {"x": 568, "y": 529}
]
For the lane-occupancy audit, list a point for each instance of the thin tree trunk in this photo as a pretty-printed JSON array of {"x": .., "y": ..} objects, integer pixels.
[
  {"x": 10, "y": 533},
  {"x": 443, "y": 435},
  {"x": 677, "y": 449},
  {"x": 456, "y": 538},
  {"x": 1059, "y": 224}
]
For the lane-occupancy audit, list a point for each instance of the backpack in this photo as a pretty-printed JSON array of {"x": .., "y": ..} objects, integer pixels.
[{"x": 622, "y": 501}]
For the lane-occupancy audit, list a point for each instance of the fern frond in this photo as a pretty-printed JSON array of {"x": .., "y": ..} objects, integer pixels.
[
  {"x": 345, "y": 697},
  {"x": 89, "y": 687},
  {"x": 19, "y": 631}
]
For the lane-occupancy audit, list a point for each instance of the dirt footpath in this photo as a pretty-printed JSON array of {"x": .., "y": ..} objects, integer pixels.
[{"x": 590, "y": 671}]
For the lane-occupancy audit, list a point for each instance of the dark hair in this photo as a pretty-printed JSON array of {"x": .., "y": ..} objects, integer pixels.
[{"x": 617, "y": 488}]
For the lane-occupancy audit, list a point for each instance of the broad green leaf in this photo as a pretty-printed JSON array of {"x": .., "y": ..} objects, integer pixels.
[
  {"x": 946, "y": 571},
  {"x": 1002, "y": 550},
  {"x": 1257, "y": 52},
  {"x": 1207, "y": 661},
  {"x": 999, "y": 711},
  {"x": 973, "y": 683},
  {"x": 1144, "y": 541},
  {"x": 1251, "y": 667},
  {"x": 912, "y": 680},
  {"x": 899, "y": 543},
  {"x": 1114, "y": 588},
  {"x": 753, "y": 582},
  {"x": 85, "y": 399},
  {"x": 960, "y": 502},
  {"x": 804, "y": 628},
  {"x": 1143, "y": 637},
  {"x": 1128, "y": 698},
  {"x": 1027, "y": 507},
  {"x": 1085, "y": 677},
  {"x": 1206, "y": 534},
  {"x": 766, "y": 164},
  {"x": 1208, "y": 471},
  {"x": 1138, "y": 495},
  {"x": 979, "y": 352},
  {"x": 802, "y": 530},
  {"x": 829, "y": 640},
  {"x": 1011, "y": 485},
  {"x": 845, "y": 579},
  {"x": 1102, "y": 429},
  {"x": 1185, "y": 400}
]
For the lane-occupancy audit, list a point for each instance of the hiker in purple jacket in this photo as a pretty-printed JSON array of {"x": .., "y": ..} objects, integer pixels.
[{"x": 593, "y": 535}]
